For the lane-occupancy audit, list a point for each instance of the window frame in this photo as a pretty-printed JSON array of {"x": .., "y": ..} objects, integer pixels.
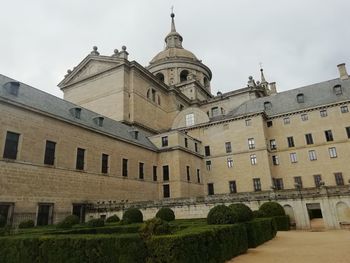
[
  {"x": 251, "y": 143},
  {"x": 228, "y": 147},
  {"x": 104, "y": 163},
  {"x": 253, "y": 159},
  {"x": 312, "y": 155},
  {"x": 344, "y": 109},
  {"x": 339, "y": 179},
  {"x": 165, "y": 141},
  {"x": 229, "y": 162},
  {"x": 257, "y": 184},
  {"x": 80, "y": 159},
  {"x": 293, "y": 157},
  {"x": 189, "y": 119},
  {"x": 11, "y": 146},
  {"x": 290, "y": 142},
  {"x": 332, "y": 152},
  {"x": 309, "y": 139}
]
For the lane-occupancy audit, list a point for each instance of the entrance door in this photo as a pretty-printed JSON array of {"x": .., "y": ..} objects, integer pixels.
[
  {"x": 44, "y": 214},
  {"x": 315, "y": 216}
]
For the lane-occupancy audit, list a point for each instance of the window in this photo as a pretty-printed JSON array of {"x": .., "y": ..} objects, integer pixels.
[
  {"x": 228, "y": 147},
  {"x": 11, "y": 145},
  {"x": 166, "y": 173},
  {"x": 337, "y": 90},
  {"x": 309, "y": 139},
  {"x": 77, "y": 113},
  {"x": 214, "y": 111},
  {"x": 290, "y": 141},
  {"x": 332, "y": 152},
  {"x": 293, "y": 157},
  {"x": 344, "y": 109},
  {"x": 166, "y": 191},
  {"x": 164, "y": 141},
  {"x": 210, "y": 189},
  {"x": 155, "y": 173},
  {"x": 183, "y": 75},
  {"x": 153, "y": 95},
  {"x": 269, "y": 123},
  {"x": 141, "y": 170},
  {"x": 267, "y": 105},
  {"x": 248, "y": 122},
  {"x": 275, "y": 160},
  {"x": 257, "y": 184},
  {"x": 286, "y": 120},
  {"x": 104, "y": 168},
  {"x": 99, "y": 121},
  {"x": 232, "y": 186},
  {"x": 329, "y": 136},
  {"x": 347, "y": 132},
  {"x": 312, "y": 155},
  {"x": 186, "y": 142},
  {"x": 323, "y": 113},
  {"x": 304, "y": 117},
  {"x": 300, "y": 98},
  {"x": 198, "y": 176},
  {"x": 273, "y": 145},
  {"x": 188, "y": 173},
  {"x": 207, "y": 150},
  {"x": 339, "y": 178},
  {"x": 125, "y": 168},
  {"x": 49, "y": 158},
  {"x": 298, "y": 183},
  {"x": 45, "y": 213},
  {"x": 160, "y": 76},
  {"x": 278, "y": 183},
  {"x": 80, "y": 159},
  {"x": 317, "y": 180},
  {"x": 195, "y": 147},
  {"x": 229, "y": 162},
  {"x": 190, "y": 119},
  {"x": 208, "y": 165},
  {"x": 79, "y": 211},
  {"x": 253, "y": 160},
  {"x": 251, "y": 143},
  {"x": 12, "y": 87}
]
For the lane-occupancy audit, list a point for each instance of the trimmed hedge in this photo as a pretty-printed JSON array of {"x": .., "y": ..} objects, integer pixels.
[
  {"x": 258, "y": 214},
  {"x": 3, "y": 221},
  {"x": 73, "y": 249},
  {"x": 113, "y": 219},
  {"x": 116, "y": 229},
  {"x": 165, "y": 213},
  {"x": 242, "y": 212},
  {"x": 270, "y": 209},
  {"x": 26, "y": 224},
  {"x": 260, "y": 230},
  {"x": 282, "y": 223},
  {"x": 220, "y": 215},
  {"x": 96, "y": 222},
  {"x": 214, "y": 244},
  {"x": 132, "y": 215},
  {"x": 154, "y": 226},
  {"x": 68, "y": 222}
]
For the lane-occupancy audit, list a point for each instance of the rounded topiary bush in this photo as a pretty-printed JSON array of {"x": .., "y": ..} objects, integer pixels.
[
  {"x": 132, "y": 215},
  {"x": 69, "y": 221},
  {"x": 112, "y": 219},
  {"x": 242, "y": 212},
  {"x": 165, "y": 213},
  {"x": 258, "y": 214},
  {"x": 26, "y": 224},
  {"x": 96, "y": 222},
  {"x": 2, "y": 221},
  {"x": 270, "y": 209},
  {"x": 220, "y": 214},
  {"x": 154, "y": 226}
]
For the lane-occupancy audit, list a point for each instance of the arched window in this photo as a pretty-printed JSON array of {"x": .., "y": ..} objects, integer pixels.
[
  {"x": 160, "y": 76},
  {"x": 183, "y": 75},
  {"x": 267, "y": 105},
  {"x": 300, "y": 98}
]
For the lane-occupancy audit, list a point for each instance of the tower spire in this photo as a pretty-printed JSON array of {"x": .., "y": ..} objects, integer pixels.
[
  {"x": 173, "y": 39},
  {"x": 172, "y": 15},
  {"x": 262, "y": 77}
]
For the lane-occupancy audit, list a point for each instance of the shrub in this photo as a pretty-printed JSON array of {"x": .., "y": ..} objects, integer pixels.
[
  {"x": 220, "y": 214},
  {"x": 166, "y": 214},
  {"x": 26, "y": 224},
  {"x": 258, "y": 214},
  {"x": 260, "y": 230},
  {"x": 110, "y": 229},
  {"x": 242, "y": 212},
  {"x": 270, "y": 209},
  {"x": 112, "y": 219},
  {"x": 154, "y": 226},
  {"x": 282, "y": 223},
  {"x": 133, "y": 215},
  {"x": 97, "y": 222},
  {"x": 69, "y": 221},
  {"x": 3, "y": 221}
]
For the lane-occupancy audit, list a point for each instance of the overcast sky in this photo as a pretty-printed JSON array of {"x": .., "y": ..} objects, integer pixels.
[{"x": 298, "y": 42}]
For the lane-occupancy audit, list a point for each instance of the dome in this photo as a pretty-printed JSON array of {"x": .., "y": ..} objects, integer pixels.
[{"x": 174, "y": 52}]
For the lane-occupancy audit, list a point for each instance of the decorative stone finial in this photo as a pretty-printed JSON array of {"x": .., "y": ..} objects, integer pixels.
[
  {"x": 116, "y": 51},
  {"x": 94, "y": 51},
  {"x": 123, "y": 48},
  {"x": 69, "y": 71},
  {"x": 250, "y": 77},
  {"x": 123, "y": 54}
]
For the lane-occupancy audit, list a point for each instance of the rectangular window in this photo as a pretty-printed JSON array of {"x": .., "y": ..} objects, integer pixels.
[
  {"x": 190, "y": 119},
  {"x": 290, "y": 141},
  {"x": 166, "y": 173},
  {"x": 233, "y": 187},
  {"x": 198, "y": 176},
  {"x": 278, "y": 183},
  {"x": 298, "y": 183},
  {"x": 304, "y": 117},
  {"x": 141, "y": 170},
  {"x": 329, "y": 136},
  {"x": 309, "y": 139},
  {"x": 229, "y": 162},
  {"x": 323, "y": 113},
  {"x": 286, "y": 120},
  {"x": 45, "y": 213},
  {"x": 228, "y": 147},
  {"x": 269, "y": 123},
  {"x": 344, "y": 109},
  {"x": 166, "y": 191},
  {"x": 317, "y": 180},
  {"x": 188, "y": 173},
  {"x": 80, "y": 159},
  {"x": 208, "y": 165},
  {"x": 312, "y": 155},
  {"x": 339, "y": 180},
  {"x": 251, "y": 143},
  {"x": 347, "y": 132},
  {"x": 293, "y": 157},
  {"x": 11, "y": 145},
  {"x": 49, "y": 158},
  {"x": 253, "y": 160},
  {"x": 257, "y": 184},
  {"x": 155, "y": 173},
  {"x": 104, "y": 168},
  {"x": 273, "y": 145},
  {"x": 210, "y": 189},
  {"x": 125, "y": 168},
  {"x": 186, "y": 142},
  {"x": 332, "y": 152},
  {"x": 207, "y": 150},
  {"x": 248, "y": 122},
  {"x": 79, "y": 211},
  {"x": 195, "y": 147},
  {"x": 164, "y": 141},
  {"x": 275, "y": 160}
]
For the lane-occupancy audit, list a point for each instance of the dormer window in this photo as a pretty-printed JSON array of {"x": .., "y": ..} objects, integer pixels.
[
  {"x": 99, "y": 121},
  {"x": 337, "y": 90},
  {"x": 267, "y": 105},
  {"x": 12, "y": 87},
  {"x": 300, "y": 98},
  {"x": 134, "y": 134},
  {"x": 76, "y": 112}
]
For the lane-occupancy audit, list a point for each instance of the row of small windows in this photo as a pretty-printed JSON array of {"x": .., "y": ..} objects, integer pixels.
[
  {"x": 232, "y": 186},
  {"x": 165, "y": 143},
  {"x": 229, "y": 160}
]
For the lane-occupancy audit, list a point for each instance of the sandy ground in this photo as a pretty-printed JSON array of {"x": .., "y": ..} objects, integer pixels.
[{"x": 301, "y": 246}]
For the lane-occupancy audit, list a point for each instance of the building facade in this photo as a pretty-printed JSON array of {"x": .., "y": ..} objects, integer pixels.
[{"x": 125, "y": 133}]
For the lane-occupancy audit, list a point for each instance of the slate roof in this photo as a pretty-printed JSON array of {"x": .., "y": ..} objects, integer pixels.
[{"x": 60, "y": 108}]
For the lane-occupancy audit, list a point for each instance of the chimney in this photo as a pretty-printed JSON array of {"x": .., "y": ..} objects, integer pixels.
[
  {"x": 342, "y": 71},
  {"x": 273, "y": 89}
]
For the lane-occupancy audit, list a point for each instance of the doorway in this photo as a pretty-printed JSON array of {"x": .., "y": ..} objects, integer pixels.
[
  {"x": 315, "y": 215},
  {"x": 45, "y": 212}
]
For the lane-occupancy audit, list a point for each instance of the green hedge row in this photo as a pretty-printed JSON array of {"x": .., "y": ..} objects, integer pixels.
[
  {"x": 282, "y": 223},
  {"x": 73, "y": 249},
  {"x": 205, "y": 244},
  {"x": 123, "y": 229},
  {"x": 260, "y": 230}
]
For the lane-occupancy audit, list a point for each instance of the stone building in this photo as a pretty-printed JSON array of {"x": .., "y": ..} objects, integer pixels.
[{"x": 150, "y": 136}]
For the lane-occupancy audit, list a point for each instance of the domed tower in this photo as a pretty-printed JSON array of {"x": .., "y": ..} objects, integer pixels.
[{"x": 178, "y": 67}]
